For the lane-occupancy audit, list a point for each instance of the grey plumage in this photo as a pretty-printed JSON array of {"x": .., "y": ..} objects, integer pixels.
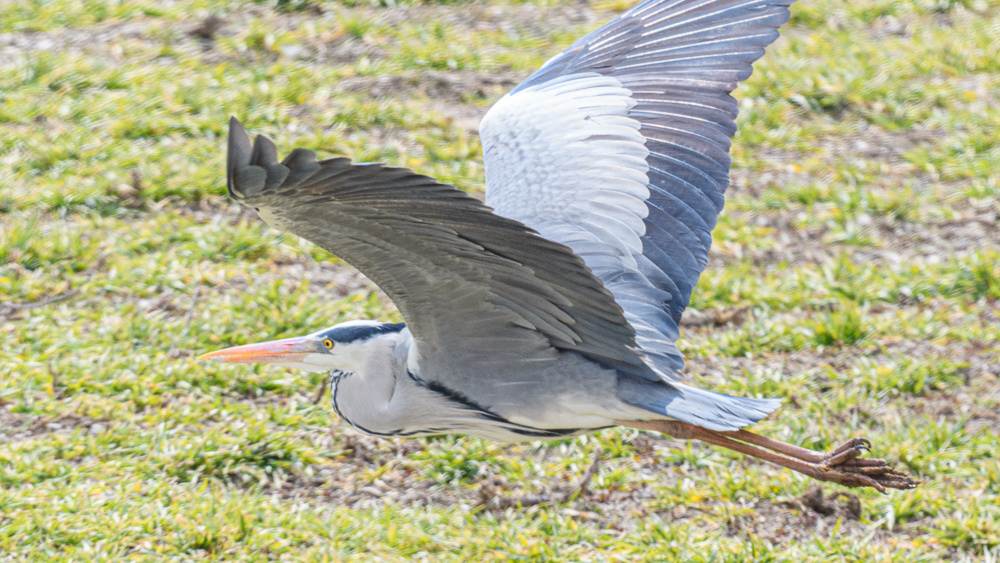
[
  {"x": 604, "y": 274},
  {"x": 554, "y": 310},
  {"x": 422, "y": 242},
  {"x": 679, "y": 60},
  {"x": 491, "y": 306}
]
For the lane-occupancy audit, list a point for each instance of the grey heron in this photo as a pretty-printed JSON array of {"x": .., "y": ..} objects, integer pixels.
[{"x": 552, "y": 309}]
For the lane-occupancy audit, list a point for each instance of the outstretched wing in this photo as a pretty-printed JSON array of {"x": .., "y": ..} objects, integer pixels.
[
  {"x": 619, "y": 148},
  {"x": 474, "y": 288}
]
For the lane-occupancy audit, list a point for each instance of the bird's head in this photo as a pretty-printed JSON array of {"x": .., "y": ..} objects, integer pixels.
[{"x": 348, "y": 347}]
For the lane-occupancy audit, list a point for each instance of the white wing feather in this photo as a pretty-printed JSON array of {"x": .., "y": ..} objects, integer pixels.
[
  {"x": 618, "y": 148},
  {"x": 566, "y": 153}
]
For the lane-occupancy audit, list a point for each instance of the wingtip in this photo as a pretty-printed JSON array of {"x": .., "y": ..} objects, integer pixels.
[
  {"x": 238, "y": 154},
  {"x": 264, "y": 153},
  {"x": 237, "y": 133}
]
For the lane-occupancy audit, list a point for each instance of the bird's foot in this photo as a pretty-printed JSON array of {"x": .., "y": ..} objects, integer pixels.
[{"x": 845, "y": 466}]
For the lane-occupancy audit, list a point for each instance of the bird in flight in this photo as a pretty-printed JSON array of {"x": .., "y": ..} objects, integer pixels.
[{"x": 553, "y": 309}]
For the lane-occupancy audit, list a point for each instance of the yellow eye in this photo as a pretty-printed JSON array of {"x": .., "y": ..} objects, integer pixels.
[{"x": 328, "y": 343}]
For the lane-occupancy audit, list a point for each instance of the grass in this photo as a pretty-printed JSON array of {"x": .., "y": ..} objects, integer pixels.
[{"x": 859, "y": 238}]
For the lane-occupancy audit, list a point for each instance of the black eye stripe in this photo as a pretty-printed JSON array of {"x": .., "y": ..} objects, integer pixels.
[{"x": 349, "y": 334}]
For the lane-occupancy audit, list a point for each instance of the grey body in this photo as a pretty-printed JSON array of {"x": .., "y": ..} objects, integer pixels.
[
  {"x": 514, "y": 409},
  {"x": 557, "y": 313}
]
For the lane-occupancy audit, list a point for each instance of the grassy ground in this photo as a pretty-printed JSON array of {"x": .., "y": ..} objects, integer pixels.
[{"x": 856, "y": 274}]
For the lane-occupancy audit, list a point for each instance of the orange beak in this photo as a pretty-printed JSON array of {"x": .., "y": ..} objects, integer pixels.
[{"x": 288, "y": 350}]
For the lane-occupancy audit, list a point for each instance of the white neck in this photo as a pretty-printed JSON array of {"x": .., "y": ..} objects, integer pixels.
[
  {"x": 362, "y": 393},
  {"x": 380, "y": 397}
]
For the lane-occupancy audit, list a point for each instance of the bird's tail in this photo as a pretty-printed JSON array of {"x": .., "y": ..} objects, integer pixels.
[{"x": 707, "y": 409}]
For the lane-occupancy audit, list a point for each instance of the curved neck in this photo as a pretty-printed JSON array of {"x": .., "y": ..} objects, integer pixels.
[
  {"x": 364, "y": 388},
  {"x": 384, "y": 398}
]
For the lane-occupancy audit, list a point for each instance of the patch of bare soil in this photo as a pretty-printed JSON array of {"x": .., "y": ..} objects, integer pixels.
[
  {"x": 974, "y": 226},
  {"x": 959, "y": 405},
  {"x": 12, "y": 311},
  {"x": 197, "y": 35},
  {"x": 452, "y": 94},
  {"x": 456, "y": 87},
  {"x": 874, "y": 142},
  {"x": 531, "y": 19},
  {"x": 18, "y": 427},
  {"x": 714, "y": 317},
  {"x": 984, "y": 361},
  {"x": 814, "y": 514},
  {"x": 338, "y": 482},
  {"x": 15, "y": 46},
  {"x": 894, "y": 242}
]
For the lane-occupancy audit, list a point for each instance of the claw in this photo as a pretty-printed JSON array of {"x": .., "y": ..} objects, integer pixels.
[
  {"x": 852, "y": 444},
  {"x": 844, "y": 465}
]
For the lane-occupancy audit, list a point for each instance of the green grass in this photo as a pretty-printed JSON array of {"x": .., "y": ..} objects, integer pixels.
[{"x": 859, "y": 237}]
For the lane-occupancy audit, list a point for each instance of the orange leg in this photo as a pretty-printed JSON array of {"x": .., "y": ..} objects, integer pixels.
[{"x": 842, "y": 465}]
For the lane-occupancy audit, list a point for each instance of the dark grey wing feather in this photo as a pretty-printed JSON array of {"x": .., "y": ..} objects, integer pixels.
[
  {"x": 474, "y": 287},
  {"x": 677, "y": 62}
]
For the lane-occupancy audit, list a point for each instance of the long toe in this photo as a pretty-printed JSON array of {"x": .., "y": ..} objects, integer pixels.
[
  {"x": 844, "y": 465},
  {"x": 872, "y": 470},
  {"x": 856, "y": 480},
  {"x": 878, "y": 475},
  {"x": 854, "y": 444},
  {"x": 841, "y": 457},
  {"x": 864, "y": 462}
]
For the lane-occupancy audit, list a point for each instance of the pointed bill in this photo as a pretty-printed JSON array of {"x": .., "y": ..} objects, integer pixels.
[{"x": 286, "y": 351}]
